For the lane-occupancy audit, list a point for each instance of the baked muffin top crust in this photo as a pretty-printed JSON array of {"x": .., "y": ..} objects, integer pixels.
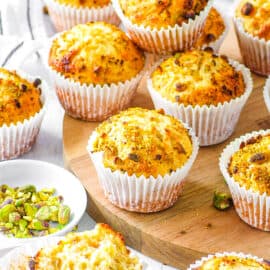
[
  {"x": 213, "y": 28},
  {"x": 161, "y": 13},
  {"x": 197, "y": 78},
  {"x": 230, "y": 262},
  {"x": 143, "y": 142},
  {"x": 19, "y": 98},
  {"x": 250, "y": 165},
  {"x": 101, "y": 248},
  {"x": 255, "y": 16},
  {"x": 84, "y": 3},
  {"x": 95, "y": 53}
]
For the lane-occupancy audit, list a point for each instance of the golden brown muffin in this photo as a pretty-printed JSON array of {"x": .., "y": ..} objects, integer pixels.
[
  {"x": 19, "y": 99},
  {"x": 96, "y": 53},
  {"x": 84, "y": 3},
  {"x": 231, "y": 262},
  {"x": 250, "y": 165},
  {"x": 197, "y": 78},
  {"x": 143, "y": 142},
  {"x": 161, "y": 13},
  {"x": 255, "y": 15},
  {"x": 101, "y": 248},
  {"x": 213, "y": 28}
]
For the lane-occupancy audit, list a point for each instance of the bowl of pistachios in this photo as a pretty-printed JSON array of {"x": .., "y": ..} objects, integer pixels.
[{"x": 37, "y": 199}]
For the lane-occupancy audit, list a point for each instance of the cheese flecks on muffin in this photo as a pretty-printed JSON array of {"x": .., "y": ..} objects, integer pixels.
[
  {"x": 143, "y": 142},
  {"x": 231, "y": 262},
  {"x": 19, "y": 98},
  {"x": 95, "y": 53},
  {"x": 213, "y": 28},
  {"x": 250, "y": 165},
  {"x": 198, "y": 78},
  {"x": 101, "y": 248},
  {"x": 255, "y": 16},
  {"x": 161, "y": 13},
  {"x": 84, "y": 3}
]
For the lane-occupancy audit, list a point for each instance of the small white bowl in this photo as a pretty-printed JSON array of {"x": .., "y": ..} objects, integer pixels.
[{"x": 44, "y": 175}]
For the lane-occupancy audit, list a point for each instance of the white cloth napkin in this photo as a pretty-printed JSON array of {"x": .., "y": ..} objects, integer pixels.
[
  {"x": 22, "y": 19},
  {"x": 21, "y": 23}
]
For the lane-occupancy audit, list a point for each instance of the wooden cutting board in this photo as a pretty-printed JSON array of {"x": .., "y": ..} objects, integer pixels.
[{"x": 192, "y": 227}]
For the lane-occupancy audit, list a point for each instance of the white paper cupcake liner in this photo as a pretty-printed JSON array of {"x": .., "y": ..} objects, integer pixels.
[
  {"x": 266, "y": 94},
  {"x": 17, "y": 139},
  {"x": 255, "y": 51},
  {"x": 141, "y": 194},
  {"x": 200, "y": 262},
  {"x": 93, "y": 102},
  {"x": 251, "y": 207},
  {"x": 217, "y": 43},
  {"x": 164, "y": 40},
  {"x": 65, "y": 17},
  {"x": 212, "y": 124}
]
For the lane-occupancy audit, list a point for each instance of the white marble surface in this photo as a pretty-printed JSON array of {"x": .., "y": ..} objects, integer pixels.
[{"x": 49, "y": 143}]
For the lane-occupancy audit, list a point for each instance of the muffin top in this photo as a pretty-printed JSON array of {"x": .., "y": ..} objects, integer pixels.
[
  {"x": 84, "y": 3},
  {"x": 198, "y": 78},
  {"x": 214, "y": 27},
  {"x": 143, "y": 142},
  {"x": 250, "y": 165},
  {"x": 231, "y": 262},
  {"x": 95, "y": 53},
  {"x": 161, "y": 13},
  {"x": 255, "y": 16},
  {"x": 19, "y": 98},
  {"x": 101, "y": 248}
]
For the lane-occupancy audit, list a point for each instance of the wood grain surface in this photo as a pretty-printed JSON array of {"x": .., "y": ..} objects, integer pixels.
[{"x": 192, "y": 227}]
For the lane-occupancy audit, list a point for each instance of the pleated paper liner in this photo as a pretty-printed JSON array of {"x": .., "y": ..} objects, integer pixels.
[
  {"x": 17, "y": 139},
  {"x": 252, "y": 207},
  {"x": 93, "y": 102},
  {"x": 199, "y": 263},
  {"x": 65, "y": 17},
  {"x": 255, "y": 51},
  {"x": 164, "y": 40},
  {"x": 141, "y": 194},
  {"x": 212, "y": 124}
]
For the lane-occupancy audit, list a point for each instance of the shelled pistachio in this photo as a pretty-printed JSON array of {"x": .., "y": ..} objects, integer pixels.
[{"x": 26, "y": 212}]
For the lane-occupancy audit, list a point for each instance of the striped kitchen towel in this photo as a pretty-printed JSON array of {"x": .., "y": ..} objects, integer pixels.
[
  {"x": 21, "y": 22},
  {"x": 22, "y": 18}
]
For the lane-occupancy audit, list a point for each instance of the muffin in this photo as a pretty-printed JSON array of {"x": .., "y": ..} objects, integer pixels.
[
  {"x": 266, "y": 94},
  {"x": 142, "y": 157},
  {"x": 95, "y": 69},
  {"x": 230, "y": 261},
  {"x": 100, "y": 248},
  {"x": 245, "y": 165},
  {"x": 163, "y": 26},
  {"x": 67, "y": 13},
  {"x": 213, "y": 32},
  {"x": 21, "y": 112},
  {"x": 204, "y": 90},
  {"x": 252, "y": 24}
]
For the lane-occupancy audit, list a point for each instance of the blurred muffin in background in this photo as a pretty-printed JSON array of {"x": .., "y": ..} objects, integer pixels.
[{"x": 67, "y": 13}]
